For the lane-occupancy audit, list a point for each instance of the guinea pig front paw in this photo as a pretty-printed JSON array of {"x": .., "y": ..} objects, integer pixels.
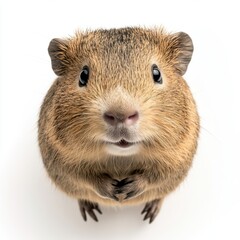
[
  {"x": 130, "y": 187},
  {"x": 86, "y": 206},
  {"x": 106, "y": 187}
]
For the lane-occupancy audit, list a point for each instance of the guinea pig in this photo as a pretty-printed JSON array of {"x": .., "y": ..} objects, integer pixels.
[{"x": 119, "y": 126}]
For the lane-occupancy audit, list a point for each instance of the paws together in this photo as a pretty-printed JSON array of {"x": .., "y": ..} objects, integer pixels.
[{"x": 121, "y": 190}]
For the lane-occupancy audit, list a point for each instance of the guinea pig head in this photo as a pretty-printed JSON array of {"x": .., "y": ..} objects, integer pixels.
[{"x": 120, "y": 91}]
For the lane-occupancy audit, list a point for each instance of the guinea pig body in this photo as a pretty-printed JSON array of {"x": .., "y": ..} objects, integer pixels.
[{"x": 119, "y": 126}]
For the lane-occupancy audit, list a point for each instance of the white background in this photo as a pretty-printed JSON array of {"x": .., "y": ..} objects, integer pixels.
[{"x": 205, "y": 206}]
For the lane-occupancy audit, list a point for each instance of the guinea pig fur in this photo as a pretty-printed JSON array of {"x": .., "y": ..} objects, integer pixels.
[{"x": 119, "y": 125}]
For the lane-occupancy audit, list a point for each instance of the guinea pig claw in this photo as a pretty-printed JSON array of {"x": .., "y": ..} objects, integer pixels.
[
  {"x": 152, "y": 209},
  {"x": 125, "y": 181},
  {"x": 115, "y": 183},
  {"x": 129, "y": 195},
  {"x": 115, "y": 198},
  {"x": 88, "y": 207}
]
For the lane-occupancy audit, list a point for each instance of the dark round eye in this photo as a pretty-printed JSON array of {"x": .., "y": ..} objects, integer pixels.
[
  {"x": 84, "y": 75},
  {"x": 156, "y": 74}
]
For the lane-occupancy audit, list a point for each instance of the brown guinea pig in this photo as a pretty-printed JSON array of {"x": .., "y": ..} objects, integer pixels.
[{"x": 119, "y": 126}]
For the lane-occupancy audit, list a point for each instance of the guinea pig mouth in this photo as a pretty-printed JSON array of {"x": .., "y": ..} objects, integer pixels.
[{"x": 123, "y": 143}]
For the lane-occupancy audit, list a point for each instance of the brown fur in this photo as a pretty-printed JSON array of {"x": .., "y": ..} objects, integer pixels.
[{"x": 71, "y": 123}]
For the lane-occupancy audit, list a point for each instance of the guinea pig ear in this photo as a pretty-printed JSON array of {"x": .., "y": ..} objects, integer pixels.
[
  {"x": 183, "y": 48},
  {"x": 57, "y": 50}
]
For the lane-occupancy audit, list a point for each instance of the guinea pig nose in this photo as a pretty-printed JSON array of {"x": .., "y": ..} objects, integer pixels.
[
  {"x": 132, "y": 118},
  {"x": 114, "y": 118}
]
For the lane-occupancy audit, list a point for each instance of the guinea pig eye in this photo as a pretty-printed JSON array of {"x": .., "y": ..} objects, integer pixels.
[
  {"x": 84, "y": 75},
  {"x": 156, "y": 74}
]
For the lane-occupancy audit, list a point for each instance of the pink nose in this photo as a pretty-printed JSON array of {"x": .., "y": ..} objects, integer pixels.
[{"x": 114, "y": 118}]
